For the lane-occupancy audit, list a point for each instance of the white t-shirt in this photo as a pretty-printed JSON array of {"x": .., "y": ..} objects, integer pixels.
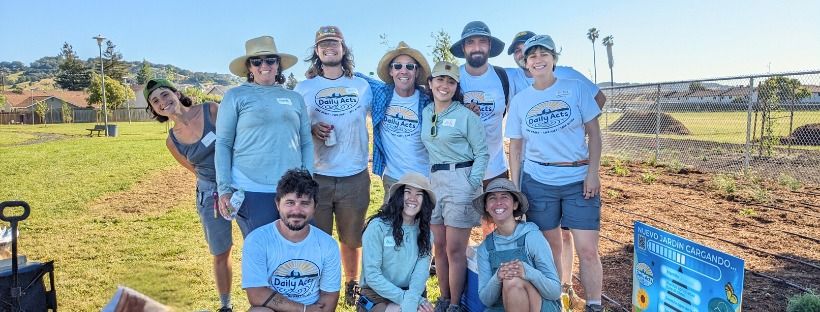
[
  {"x": 519, "y": 80},
  {"x": 551, "y": 122},
  {"x": 486, "y": 91},
  {"x": 401, "y": 137},
  {"x": 343, "y": 103},
  {"x": 296, "y": 270}
]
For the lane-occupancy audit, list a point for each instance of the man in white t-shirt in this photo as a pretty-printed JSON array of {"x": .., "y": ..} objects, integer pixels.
[
  {"x": 338, "y": 103},
  {"x": 483, "y": 86},
  {"x": 290, "y": 265}
]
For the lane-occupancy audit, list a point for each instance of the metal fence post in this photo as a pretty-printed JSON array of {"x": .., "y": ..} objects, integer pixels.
[
  {"x": 748, "y": 149},
  {"x": 658, "y": 124}
]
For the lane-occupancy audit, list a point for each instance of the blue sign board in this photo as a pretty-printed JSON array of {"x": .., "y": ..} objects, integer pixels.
[{"x": 674, "y": 274}]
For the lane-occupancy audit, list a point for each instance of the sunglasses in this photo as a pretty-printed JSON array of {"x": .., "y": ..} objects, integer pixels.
[
  {"x": 257, "y": 61},
  {"x": 434, "y": 129},
  {"x": 398, "y": 66},
  {"x": 328, "y": 44}
]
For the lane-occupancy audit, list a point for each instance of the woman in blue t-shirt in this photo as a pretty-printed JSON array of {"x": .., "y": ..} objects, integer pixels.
[
  {"x": 396, "y": 249},
  {"x": 558, "y": 168},
  {"x": 191, "y": 142}
]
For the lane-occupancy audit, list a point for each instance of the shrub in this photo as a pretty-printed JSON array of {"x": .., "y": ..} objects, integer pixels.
[
  {"x": 805, "y": 302},
  {"x": 789, "y": 182},
  {"x": 648, "y": 178}
]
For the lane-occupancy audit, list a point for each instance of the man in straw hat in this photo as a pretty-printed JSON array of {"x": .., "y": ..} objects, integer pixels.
[
  {"x": 290, "y": 265},
  {"x": 486, "y": 87},
  {"x": 262, "y": 130},
  {"x": 398, "y": 100},
  {"x": 338, "y": 103},
  {"x": 515, "y": 267}
]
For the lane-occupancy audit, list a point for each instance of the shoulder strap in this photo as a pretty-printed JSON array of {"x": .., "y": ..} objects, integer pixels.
[
  {"x": 521, "y": 241},
  {"x": 505, "y": 83},
  {"x": 490, "y": 242}
]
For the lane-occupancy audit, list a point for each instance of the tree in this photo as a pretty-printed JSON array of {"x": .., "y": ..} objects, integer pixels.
[
  {"x": 114, "y": 66},
  {"x": 291, "y": 82},
  {"x": 696, "y": 86},
  {"x": 592, "y": 34},
  {"x": 145, "y": 73},
  {"x": 170, "y": 73},
  {"x": 41, "y": 108},
  {"x": 116, "y": 93},
  {"x": 2, "y": 101},
  {"x": 384, "y": 41},
  {"x": 441, "y": 48},
  {"x": 608, "y": 42},
  {"x": 771, "y": 94},
  {"x": 74, "y": 75},
  {"x": 68, "y": 113}
]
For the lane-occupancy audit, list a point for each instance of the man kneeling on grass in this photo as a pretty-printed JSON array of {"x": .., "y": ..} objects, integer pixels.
[{"x": 290, "y": 265}]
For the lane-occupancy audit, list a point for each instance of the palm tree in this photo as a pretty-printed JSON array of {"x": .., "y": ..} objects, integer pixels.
[
  {"x": 592, "y": 34},
  {"x": 609, "y": 41}
]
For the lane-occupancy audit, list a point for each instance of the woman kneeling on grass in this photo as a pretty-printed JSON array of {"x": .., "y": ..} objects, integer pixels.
[
  {"x": 396, "y": 249},
  {"x": 191, "y": 142},
  {"x": 516, "y": 271}
]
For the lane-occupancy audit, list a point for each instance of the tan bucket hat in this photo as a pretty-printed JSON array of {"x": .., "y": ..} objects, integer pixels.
[
  {"x": 260, "y": 46},
  {"x": 403, "y": 49},
  {"x": 501, "y": 185},
  {"x": 444, "y": 68},
  {"x": 416, "y": 180}
]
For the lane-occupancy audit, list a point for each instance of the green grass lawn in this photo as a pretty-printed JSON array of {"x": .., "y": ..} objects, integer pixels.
[{"x": 162, "y": 255}]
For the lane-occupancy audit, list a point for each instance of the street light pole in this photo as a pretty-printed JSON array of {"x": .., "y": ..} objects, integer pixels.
[{"x": 100, "y": 39}]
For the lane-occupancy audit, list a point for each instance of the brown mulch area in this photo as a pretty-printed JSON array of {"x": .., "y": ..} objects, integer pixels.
[
  {"x": 804, "y": 135},
  {"x": 150, "y": 196},
  {"x": 647, "y": 122}
]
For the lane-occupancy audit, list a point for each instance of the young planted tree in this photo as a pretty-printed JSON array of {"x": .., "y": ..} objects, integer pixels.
[
  {"x": 441, "y": 47},
  {"x": 68, "y": 112},
  {"x": 291, "y": 82},
  {"x": 772, "y": 93},
  {"x": 73, "y": 73},
  {"x": 41, "y": 108},
  {"x": 592, "y": 35},
  {"x": 116, "y": 93}
]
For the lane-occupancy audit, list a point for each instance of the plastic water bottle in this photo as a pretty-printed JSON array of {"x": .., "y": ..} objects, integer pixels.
[
  {"x": 331, "y": 137},
  {"x": 236, "y": 201}
]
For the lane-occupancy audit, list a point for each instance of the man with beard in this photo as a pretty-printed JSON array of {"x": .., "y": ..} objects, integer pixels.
[
  {"x": 520, "y": 79},
  {"x": 485, "y": 87},
  {"x": 290, "y": 265},
  {"x": 338, "y": 104}
]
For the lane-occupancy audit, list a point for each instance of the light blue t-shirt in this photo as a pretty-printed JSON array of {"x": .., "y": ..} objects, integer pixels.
[
  {"x": 401, "y": 137},
  {"x": 519, "y": 80},
  {"x": 487, "y": 92},
  {"x": 551, "y": 122},
  {"x": 296, "y": 270},
  {"x": 344, "y": 103}
]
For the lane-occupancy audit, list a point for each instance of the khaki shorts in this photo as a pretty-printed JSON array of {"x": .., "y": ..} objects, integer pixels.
[
  {"x": 454, "y": 198},
  {"x": 387, "y": 183},
  {"x": 346, "y": 198}
]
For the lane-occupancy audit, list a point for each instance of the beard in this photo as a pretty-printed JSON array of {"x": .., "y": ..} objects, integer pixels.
[
  {"x": 477, "y": 59},
  {"x": 332, "y": 63},
  {"x": 294, "y": 226}
]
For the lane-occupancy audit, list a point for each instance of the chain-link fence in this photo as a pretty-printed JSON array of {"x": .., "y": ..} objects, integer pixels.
[{"x": 767, "y": 124}]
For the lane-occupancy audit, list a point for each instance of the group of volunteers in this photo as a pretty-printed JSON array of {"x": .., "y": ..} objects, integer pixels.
[{"x": 288, "y": 166}]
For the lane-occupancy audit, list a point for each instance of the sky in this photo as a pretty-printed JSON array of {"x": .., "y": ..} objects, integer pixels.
[{"x": 654, "y": 40}]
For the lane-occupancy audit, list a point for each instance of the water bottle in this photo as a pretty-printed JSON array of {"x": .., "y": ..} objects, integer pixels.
[
  {"x": 236, "y": 201},
  {"x": 331, "y": 138}
]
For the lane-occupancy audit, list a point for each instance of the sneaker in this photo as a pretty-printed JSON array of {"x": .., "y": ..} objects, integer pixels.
[
  {"x": 225, "y": 309},
  {"x": 454, "y": 308},
  {"x": 441, "y": 305},
  {"x": 351, "y": 289},
  {"x": 594, "y": 308}
]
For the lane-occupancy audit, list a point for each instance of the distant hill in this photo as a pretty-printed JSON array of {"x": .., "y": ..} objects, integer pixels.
[{"x": 669, "y": 87}]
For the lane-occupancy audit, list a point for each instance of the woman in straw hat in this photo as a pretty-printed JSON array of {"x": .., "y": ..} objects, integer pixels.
[
  {"x": 454, "y": 138},
  {"x": 262, "y": 131},
  {"x": 190, "y": 141},
  {"x": 396, "y": 249},
  {"x": 516, "y": 271},
  {"x": 558, "y": 170}
]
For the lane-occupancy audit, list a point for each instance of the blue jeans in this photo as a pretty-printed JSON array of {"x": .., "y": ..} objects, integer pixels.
[{"x": 257, "y": 210}]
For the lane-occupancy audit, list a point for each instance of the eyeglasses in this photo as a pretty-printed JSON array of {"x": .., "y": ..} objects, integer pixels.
[
  {"x": 257, "y": 61},
  {"x": 328, "y": 44},
  {"x": 398, "y": 66},
  {"x": 434, "y": 129}
]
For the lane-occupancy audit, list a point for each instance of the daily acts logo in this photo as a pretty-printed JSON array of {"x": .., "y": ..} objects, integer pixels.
[
  {"x": 296, "y": 278},
  {"x": 337, "y": 99},
  {"x": 401, "y": 120},
  {"x": 485, "y": 103},
  {"x": 548, "y": 115}
]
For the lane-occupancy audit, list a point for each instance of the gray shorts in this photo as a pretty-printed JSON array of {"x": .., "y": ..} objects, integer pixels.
[
  {"x": 551, "y": 206},
  {"x": 346, "y": 199},
  {"x": 387, "y": 183},
  {"x": 217, "y": 230},
  {"x": 454, "y": 198}
]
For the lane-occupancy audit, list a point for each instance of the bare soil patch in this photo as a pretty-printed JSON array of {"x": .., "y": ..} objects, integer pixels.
[
  {"x": 151, "y": 196},
  {"x": 646, "y": 122}
]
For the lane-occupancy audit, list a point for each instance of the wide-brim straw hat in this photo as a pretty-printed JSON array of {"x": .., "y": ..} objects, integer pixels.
[
  {"x": 403, "y": 49},
  {"x": 257, "y": 47},
  {"x": 416, "y": 180},
  {"x": 501, "y": 185},
  {"x": 477, "y": 28}
]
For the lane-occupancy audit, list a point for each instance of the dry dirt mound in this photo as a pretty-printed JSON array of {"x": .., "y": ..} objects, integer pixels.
[
  {"x": 645, "y": 122},
  {"x": 804, "y": 135},
  {"x": 152, "y": 195}
]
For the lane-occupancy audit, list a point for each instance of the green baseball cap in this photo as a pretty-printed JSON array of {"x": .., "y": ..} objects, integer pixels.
[{"x": 157, "y": 83}]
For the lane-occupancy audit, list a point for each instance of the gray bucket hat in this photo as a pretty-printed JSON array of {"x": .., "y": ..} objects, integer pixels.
[
  {"x": 477, "y": 28},
  {"x": 501, "y": 185}
]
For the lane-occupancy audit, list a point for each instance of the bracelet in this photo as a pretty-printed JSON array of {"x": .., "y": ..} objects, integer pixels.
[{"x": 265, "y": 304}]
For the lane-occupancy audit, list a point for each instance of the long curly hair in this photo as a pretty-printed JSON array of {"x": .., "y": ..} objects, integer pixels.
[
  {"x": 316, "y": 64},
  {"x": 391, "y": 212}
]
